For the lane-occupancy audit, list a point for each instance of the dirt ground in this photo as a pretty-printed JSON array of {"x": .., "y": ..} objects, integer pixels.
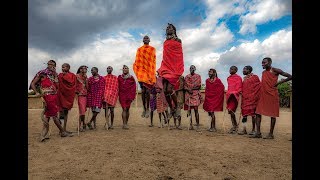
[{"x": 144, "y": 152}]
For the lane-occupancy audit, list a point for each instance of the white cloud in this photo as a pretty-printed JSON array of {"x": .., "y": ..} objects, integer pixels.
[
  {"x": 263, "y": 11},
  {"x": 277, "y": 46}
]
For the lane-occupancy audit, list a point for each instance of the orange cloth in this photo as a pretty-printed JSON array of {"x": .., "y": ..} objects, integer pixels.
[
  {"x": 145, "y": 64},
  {"x": 268, "y": 104}
]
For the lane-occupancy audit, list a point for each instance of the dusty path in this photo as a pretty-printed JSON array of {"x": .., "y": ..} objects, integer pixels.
[{"x": 153, "y": 153}]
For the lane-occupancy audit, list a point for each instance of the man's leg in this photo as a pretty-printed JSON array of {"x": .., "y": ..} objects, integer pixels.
[
  {"x": 147, "y": 97},
  {"x": 258, "y": 123},
  {"x": 65, "y": 119},
  {"x": 58, "y": 124},
  {"x": 233, "y": 121},
  {"x": 143, "y": 96},
  {"x": 160, "y": 124},
  {"x": 106, "y": 115},
  {"x": 45, "y": 129},
  {"x": 196, "y": 113},
  {"x": 190, "y": 117},
  {"x": 253, "y": 125},
  {"x": 112, "y": 116},
  {"x": 151, "y": 119},
  {"x": 272, "y": 125},
  {"x": 94, "y": 116},
  {"x": 123, "y": 115},
  {"x": 81, "y": 120},
  {"x": 126, "y": 116}
]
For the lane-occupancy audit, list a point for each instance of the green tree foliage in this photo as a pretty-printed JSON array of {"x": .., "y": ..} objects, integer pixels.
[
  {"x": 284, "y": 90},
  {"x": 203, "y": 87}
]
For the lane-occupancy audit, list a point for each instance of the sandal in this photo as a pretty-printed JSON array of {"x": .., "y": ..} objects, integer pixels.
[
  {"x": 269, "y": 136},
  {"x": 65, "y": 134},
  {"x": 147, "y": 114},
  {"x": 252, "y": 133},
  {"x": 256, "y": 135},
  {"x": 89, "y": 126},
  {"x": 143, "y": 114},
  {"x": 232, "y": 131},
  {"x": 242, "y": 132}
]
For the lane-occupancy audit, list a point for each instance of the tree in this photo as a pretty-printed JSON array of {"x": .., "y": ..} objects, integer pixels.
[{"x": 284, "y": 91}]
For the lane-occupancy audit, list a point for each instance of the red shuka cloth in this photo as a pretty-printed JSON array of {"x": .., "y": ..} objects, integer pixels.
[
  {"x": 111, "y": 89},
  {"x": 67, "y": 90},
  {"x": 127, "y": 91},
  {"x": 50, "y": 99},
  {"x": 194, "y": 99},
  {"x": 250, "y": 94},
  {"x": 234, "y": 88},
  {"x": 172, "y": 65},
  {"x": 268, "y": 103},
  {"x": 95, "y": 91},
  {"x": 214, "y": 95}
]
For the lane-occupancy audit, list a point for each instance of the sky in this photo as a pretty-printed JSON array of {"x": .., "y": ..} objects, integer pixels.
[{"x": 215, "y": 33}]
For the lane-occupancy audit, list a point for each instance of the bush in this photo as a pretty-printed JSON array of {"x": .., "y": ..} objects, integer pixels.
[{"x": 284, "y": 90}]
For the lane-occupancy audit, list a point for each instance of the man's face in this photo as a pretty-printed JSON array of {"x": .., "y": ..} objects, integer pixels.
[
  {"x": 65, "y": 68},
  {"x": 109, "y": 69},
  {"x": 83, "y": 70},
  {"x": 265, "y": 63},
  {"x": 192, "y": 69},
  {"x": 146, "y": 39},
  {"x": 245, "y": 71},
  {"x": 52, "y": 66},
  {"x": 170, "y": 30},
  {"x": 232, "y": 70},
  {"x": 94, "y": 71},
  {"x": 211, "y": 74},
  {"x": 125, "y": 70}
]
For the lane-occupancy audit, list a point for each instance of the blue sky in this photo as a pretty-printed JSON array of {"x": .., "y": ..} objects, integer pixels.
[{"x": 214, "y": 33}]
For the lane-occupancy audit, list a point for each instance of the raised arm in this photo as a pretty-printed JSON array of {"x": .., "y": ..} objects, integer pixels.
[{"x": 285, "y": 74}]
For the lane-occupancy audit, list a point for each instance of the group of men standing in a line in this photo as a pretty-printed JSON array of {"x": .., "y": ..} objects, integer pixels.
[{"x": 167, "y": 89}]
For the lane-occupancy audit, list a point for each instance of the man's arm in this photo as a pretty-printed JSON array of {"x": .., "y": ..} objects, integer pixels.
[
  {"x": 279, "y": 71},
  {"x": 33, "y": 85}
]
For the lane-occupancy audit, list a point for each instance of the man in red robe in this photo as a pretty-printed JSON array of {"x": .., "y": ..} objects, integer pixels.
[
  {"x": 268, "y": 104},
  {"x": 95, "y": 97},
  {"x": 47, "y": 80},
  {"x": 127, "y": 93},
  {"x": 81, "y": 91},
  {"x": 172, "y": 66},
  {"x": 192, "y": 85},
  {"x": 214, "y": 95},
  {"x": 232, "y": 96},
  {"x": 250, "y": 96},
  {"x": 66, "y": 92},
  {"x": 110, "y": 95}
]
